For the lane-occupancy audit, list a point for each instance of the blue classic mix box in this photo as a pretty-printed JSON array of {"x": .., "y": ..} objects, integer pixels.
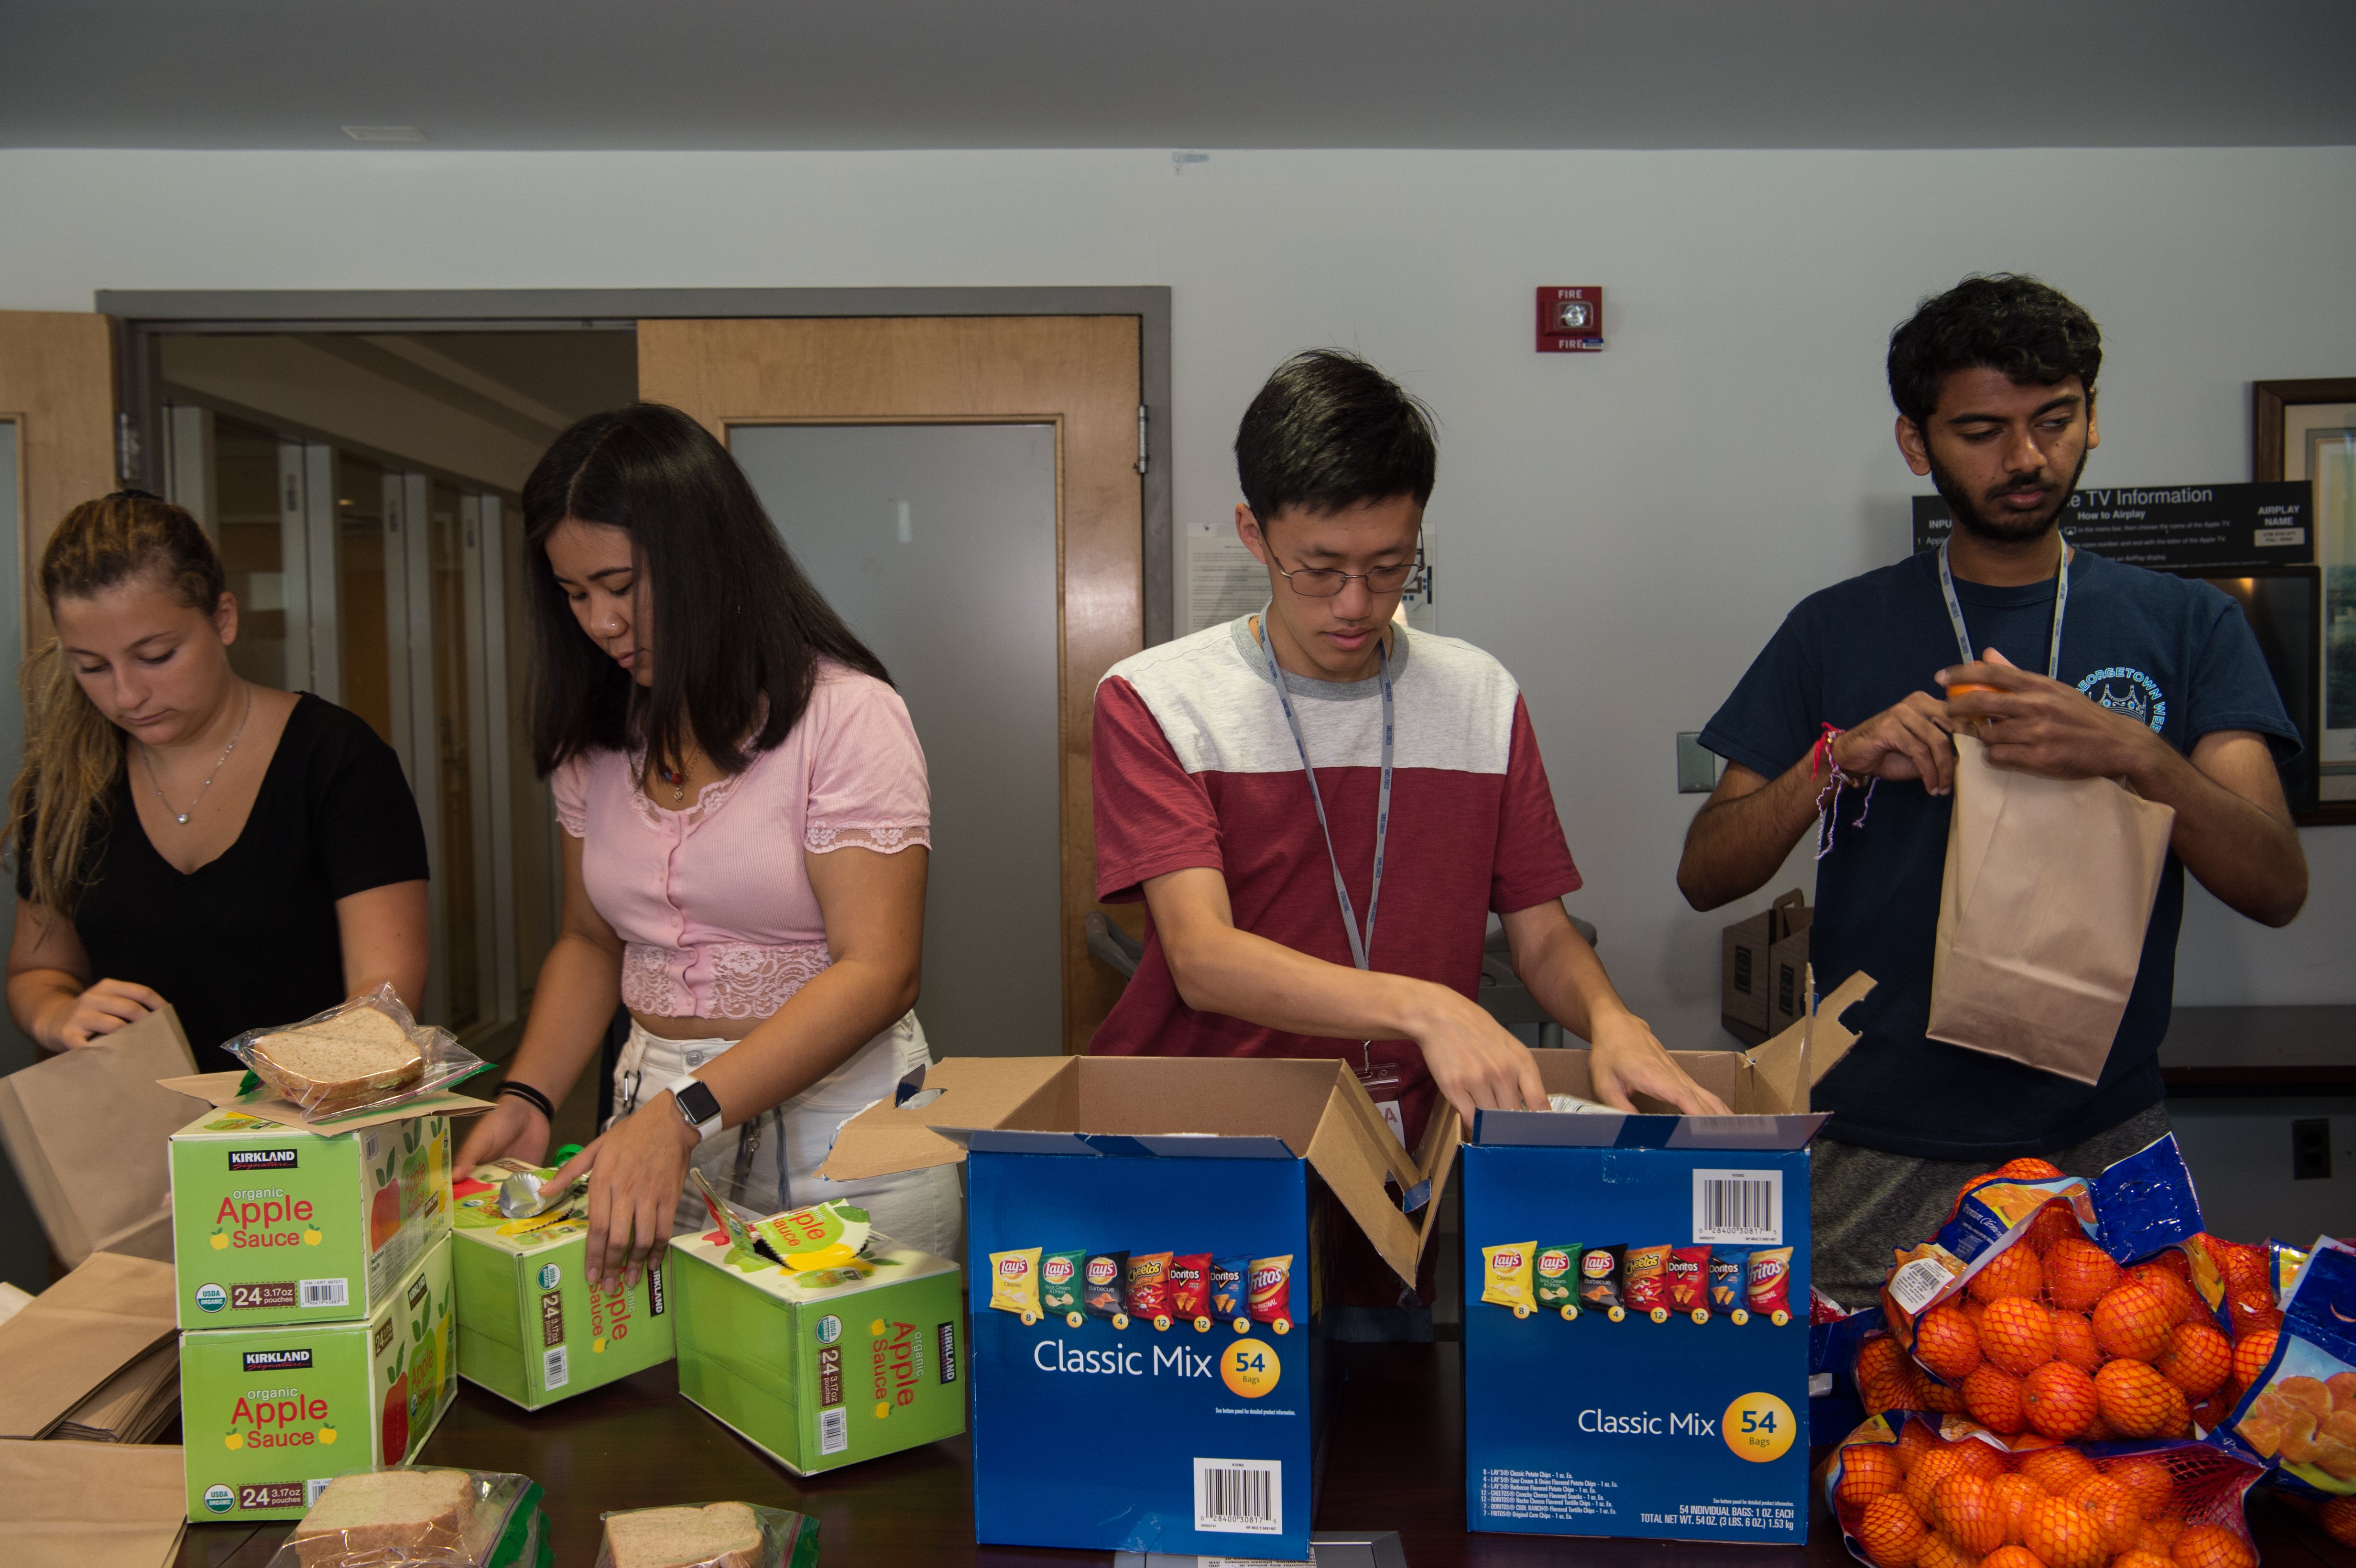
[
  {"x": 1636, "y": 1311},
  {"x": 1146, "y": 1344}
]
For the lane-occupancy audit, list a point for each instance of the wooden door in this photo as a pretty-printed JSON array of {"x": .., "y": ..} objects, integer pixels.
[
  {"x": 57, "y": 386},
  {"x": 1079, "y": 374}
]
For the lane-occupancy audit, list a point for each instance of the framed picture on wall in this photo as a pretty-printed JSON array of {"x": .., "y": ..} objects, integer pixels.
[{"x": 2306, "y": 430}]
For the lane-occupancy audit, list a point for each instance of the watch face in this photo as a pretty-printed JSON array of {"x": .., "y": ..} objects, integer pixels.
[{"x": 698, "y": 1102}]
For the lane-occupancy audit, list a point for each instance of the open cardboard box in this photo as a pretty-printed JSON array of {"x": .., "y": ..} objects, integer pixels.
[
  {"x": 1220, "y": 1425},
  {"x": 1671, "y": 1424}
]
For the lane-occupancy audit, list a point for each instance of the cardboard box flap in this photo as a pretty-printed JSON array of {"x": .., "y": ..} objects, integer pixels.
[
  {"x": 964, "y": 1091},
  {"x": 1119, "y": 1145},
  {"x": 1763, "y": 1118},
  {"x": 219, "y": 1090},
  {"x": 1792, "y": 1063}
]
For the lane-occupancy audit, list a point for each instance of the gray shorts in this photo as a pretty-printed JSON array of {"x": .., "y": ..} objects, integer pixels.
[{"x": 1865, "y": 1205}]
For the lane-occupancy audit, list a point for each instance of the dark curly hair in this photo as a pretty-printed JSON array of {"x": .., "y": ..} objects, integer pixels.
[
  {"x": 1328, "y": 431},
  {"x": 2007, "y": 321}
]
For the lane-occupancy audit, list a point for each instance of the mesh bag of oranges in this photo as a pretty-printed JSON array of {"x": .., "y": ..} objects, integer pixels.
[
  {"x": 1913, "y": 1490},
  {"x": 2298, "y": 1410}
]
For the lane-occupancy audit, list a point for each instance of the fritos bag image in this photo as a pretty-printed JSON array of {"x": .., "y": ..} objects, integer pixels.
[
  {"x": 1913, "y": 1490},
  {"x": 2299, "y": 1411}
]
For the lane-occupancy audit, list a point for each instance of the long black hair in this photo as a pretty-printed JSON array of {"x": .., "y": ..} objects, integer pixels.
[{"x": 738, "y": 630}]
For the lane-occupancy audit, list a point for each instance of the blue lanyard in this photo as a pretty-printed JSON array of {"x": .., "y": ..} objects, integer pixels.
[
  {"x": 1359, "y": 945},
  {"x": 2060, "y": 608}
]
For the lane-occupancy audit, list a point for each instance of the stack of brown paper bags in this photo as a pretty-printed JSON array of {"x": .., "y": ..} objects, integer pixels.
[
  {"x": 133, "y": 1405},
  {"x": 91, "y": 1505},
  {"x": 76, "y": 1340}
]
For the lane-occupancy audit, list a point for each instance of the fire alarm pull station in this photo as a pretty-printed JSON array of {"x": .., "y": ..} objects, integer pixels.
[{"x": 1570, "y": 320}]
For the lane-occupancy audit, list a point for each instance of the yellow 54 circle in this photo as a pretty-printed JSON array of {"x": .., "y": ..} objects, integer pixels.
[
  {"x": 1759, "y": 1427},
  {"x": 1250, "y": 1368}
]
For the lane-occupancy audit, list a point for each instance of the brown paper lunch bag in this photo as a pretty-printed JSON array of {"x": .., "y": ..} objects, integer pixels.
[{"x": 2048, "y": 890}]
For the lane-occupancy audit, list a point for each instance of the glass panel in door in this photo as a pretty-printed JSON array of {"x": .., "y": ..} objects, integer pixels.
[
  {"x": 452, "y": 775},
  {"x": 246, "y": 531},
  {"x": 361, "y": 621},
  {"x": 937, "y": 543}
]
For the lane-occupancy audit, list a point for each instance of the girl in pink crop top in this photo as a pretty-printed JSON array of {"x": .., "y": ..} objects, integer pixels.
[{"x": 758, "y": 905}]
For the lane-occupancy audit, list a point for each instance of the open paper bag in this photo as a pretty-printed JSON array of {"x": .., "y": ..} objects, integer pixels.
[{"x": 2048, "y": 890}]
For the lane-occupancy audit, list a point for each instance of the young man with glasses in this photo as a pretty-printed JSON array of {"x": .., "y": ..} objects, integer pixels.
[{"x": 1341, "y": 913}]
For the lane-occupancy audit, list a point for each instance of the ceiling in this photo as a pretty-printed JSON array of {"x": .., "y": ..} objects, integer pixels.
[{"x": 815, "y": 74}]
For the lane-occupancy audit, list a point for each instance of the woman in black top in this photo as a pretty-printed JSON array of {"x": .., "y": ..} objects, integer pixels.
[{"x": 184, "y": 835}]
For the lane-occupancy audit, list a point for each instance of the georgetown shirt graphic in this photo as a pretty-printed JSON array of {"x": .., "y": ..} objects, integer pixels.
[{"x": 2124, "y": 689}]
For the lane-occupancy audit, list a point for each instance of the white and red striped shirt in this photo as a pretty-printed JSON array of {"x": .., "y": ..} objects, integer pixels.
[{"x": 1193, "y": 765}]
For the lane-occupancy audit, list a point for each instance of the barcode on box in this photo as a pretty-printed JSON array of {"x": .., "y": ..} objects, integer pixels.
[
  {"x": 1744, "y": 1206},
  {"x": 327, "y": 1292},
  {"x": 313, "y": 1488},
  {"x": 555, "y": 1372},
  {"x": 1239, "y": 1496},
  {"x": 834, "y": 1430}
]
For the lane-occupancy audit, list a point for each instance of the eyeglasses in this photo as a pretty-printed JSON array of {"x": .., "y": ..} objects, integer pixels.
[{"x": 1321, "y": 582}]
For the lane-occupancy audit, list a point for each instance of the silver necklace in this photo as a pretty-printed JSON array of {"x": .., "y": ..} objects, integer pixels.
[{"x": 149, "y": 758}]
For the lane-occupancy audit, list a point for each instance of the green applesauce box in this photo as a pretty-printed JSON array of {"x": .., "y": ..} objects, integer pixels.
[
  {"x": 532, "y": 1330},
  {"x": 269, "y": 1415},
  {"x": 279, "y": 1225},
  {"x": 822, "y": 1368}
]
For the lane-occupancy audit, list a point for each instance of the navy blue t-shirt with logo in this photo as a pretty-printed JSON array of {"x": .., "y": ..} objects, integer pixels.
[{"x": 2174, "y": 652}]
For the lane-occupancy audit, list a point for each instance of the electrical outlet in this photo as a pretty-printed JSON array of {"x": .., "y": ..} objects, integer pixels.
[
  {"x": 2310, "y": 1149},
  {"x": 1696, "y": 768}
]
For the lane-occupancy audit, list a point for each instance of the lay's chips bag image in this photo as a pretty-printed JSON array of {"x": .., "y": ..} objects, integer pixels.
[
  {"x": 1508, "y": 1276},
  {"x": 1014, "y": 1283},
  {"x": 1059, "y": 1286},
  {"x": 1556, "y": 1277},
  {"x": 1599, "y": 1281}
]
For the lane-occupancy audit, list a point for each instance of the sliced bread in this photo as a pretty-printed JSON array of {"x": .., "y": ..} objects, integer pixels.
[
  {"x": 369, "y": 1517},
  {"x": 343, "y": 1062},
  {"x": 722, "y": 1535}
]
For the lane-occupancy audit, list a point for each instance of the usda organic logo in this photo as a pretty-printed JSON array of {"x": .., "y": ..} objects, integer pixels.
[
  {"x": 549, "y": 1275},
  {"x": 219, "y": 1499},
  {"x": 830, "y": 1329},
  {"x": 211, "y": 1297}
]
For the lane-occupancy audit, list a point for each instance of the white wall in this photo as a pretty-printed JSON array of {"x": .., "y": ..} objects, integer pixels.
[{"x": 1624, "y": 530}]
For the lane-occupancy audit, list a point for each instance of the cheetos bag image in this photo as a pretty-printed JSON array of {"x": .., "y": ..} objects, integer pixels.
[{"x": 2049, "y": 890}]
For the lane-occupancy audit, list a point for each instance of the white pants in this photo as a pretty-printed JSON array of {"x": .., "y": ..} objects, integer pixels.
[{"x": 769, "y": 1163}]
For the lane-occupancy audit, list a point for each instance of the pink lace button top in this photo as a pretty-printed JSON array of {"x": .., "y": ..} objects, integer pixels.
[{"x": 713, "y": 901}]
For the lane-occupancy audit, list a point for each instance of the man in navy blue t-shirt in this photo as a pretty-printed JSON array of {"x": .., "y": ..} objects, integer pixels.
[{"x": 2159, "y": 683}]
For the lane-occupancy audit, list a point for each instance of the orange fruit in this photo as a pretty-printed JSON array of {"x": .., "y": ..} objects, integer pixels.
[
  {"x": 2056, "y": 1470},
  {"x": 1917, "y": 1438},
  {"x": 2015, "y": 1556},
  {"x": 2338, "y": 1518},
  {"x": 2164, "y": 1529},
  {"x": 2139, "y": 1558},
  {"x": 2078, "y": 1274},
  {"x": 2136, "y": 1402},
  {"x": 2251, "y": 1353},
  {"x": 2114, "y": 1510},
  {"x": 2012, "y": 1271},
  {"x": 2182, "y": 1305},
  {"x": 2057, "y": 1222},
  {"x": 2058, "y": 1400},
  {"x": 2245, "y": 1267},
  {"x": 2133, "y": 1321},
  {"x": 2213, "y": 1546},
  {"x": 2016, "y": 1334},
  {"x": 2028, "y": 1168},
  {"x": 2013, "y": 1494},
  {"x": 1922, "y": 1479},
  {"x": 1966, "y": 1508},
  {"x": 2098, "y": 1430},
  {"x": 1985, "y": 1460},
  {"x": 2063, "y": 1534},
  {"x": 1881, "y": 1382},
  {"x": 1938, "y": 1551},
  {"x": 1890, "y": 1531},
  {"x": 1930, "y": 1394},
  {"x": 1868, "y": 1471},
  {"x": 1992, "y": 1398},
  {"x": 1946, "y": 1342},
  {"x": 2199, "y": 1359},
  {"x": 2174, "y": 1261},
  {"x": 2074, "y": 1341},
  {"x": 2147, "y": 1481}
]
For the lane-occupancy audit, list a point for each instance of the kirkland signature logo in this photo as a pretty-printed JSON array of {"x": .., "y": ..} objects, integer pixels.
[
  {"x": 276, "y": 1360},
  {"x": 262, "y": 1159}
]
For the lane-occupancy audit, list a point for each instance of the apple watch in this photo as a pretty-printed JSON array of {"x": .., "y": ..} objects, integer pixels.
[{"x": 699, "y": 1108}]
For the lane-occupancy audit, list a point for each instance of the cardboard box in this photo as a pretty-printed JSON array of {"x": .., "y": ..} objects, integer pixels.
[
  {"x": 1675, "y": 1428},
  {"x": 269, "y": 1415},
  {"x": 1787, "y": 980},
  {"x": 274, "y": 1223},
  {"x": 824, "y": 1369},
  {"x": 531, "y": 1329},
  {"x": 1130, "y": 1436},
  {"x": 1746, "y": 971}
]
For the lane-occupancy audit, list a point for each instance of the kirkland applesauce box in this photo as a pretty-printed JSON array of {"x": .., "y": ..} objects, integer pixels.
[
  {"x": 818, "y": 1340},
  {"x": 532, "y": 1330},
  {"x": 269, "y": 1415},
  {"x": 274, "y": 1223}
]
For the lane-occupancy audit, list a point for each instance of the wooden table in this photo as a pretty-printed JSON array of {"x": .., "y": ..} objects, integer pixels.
[{"x": 1398, "y": 1463}]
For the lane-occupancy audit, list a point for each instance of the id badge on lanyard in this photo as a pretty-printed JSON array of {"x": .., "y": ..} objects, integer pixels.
[{"x": 1381, "y": 1078}]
